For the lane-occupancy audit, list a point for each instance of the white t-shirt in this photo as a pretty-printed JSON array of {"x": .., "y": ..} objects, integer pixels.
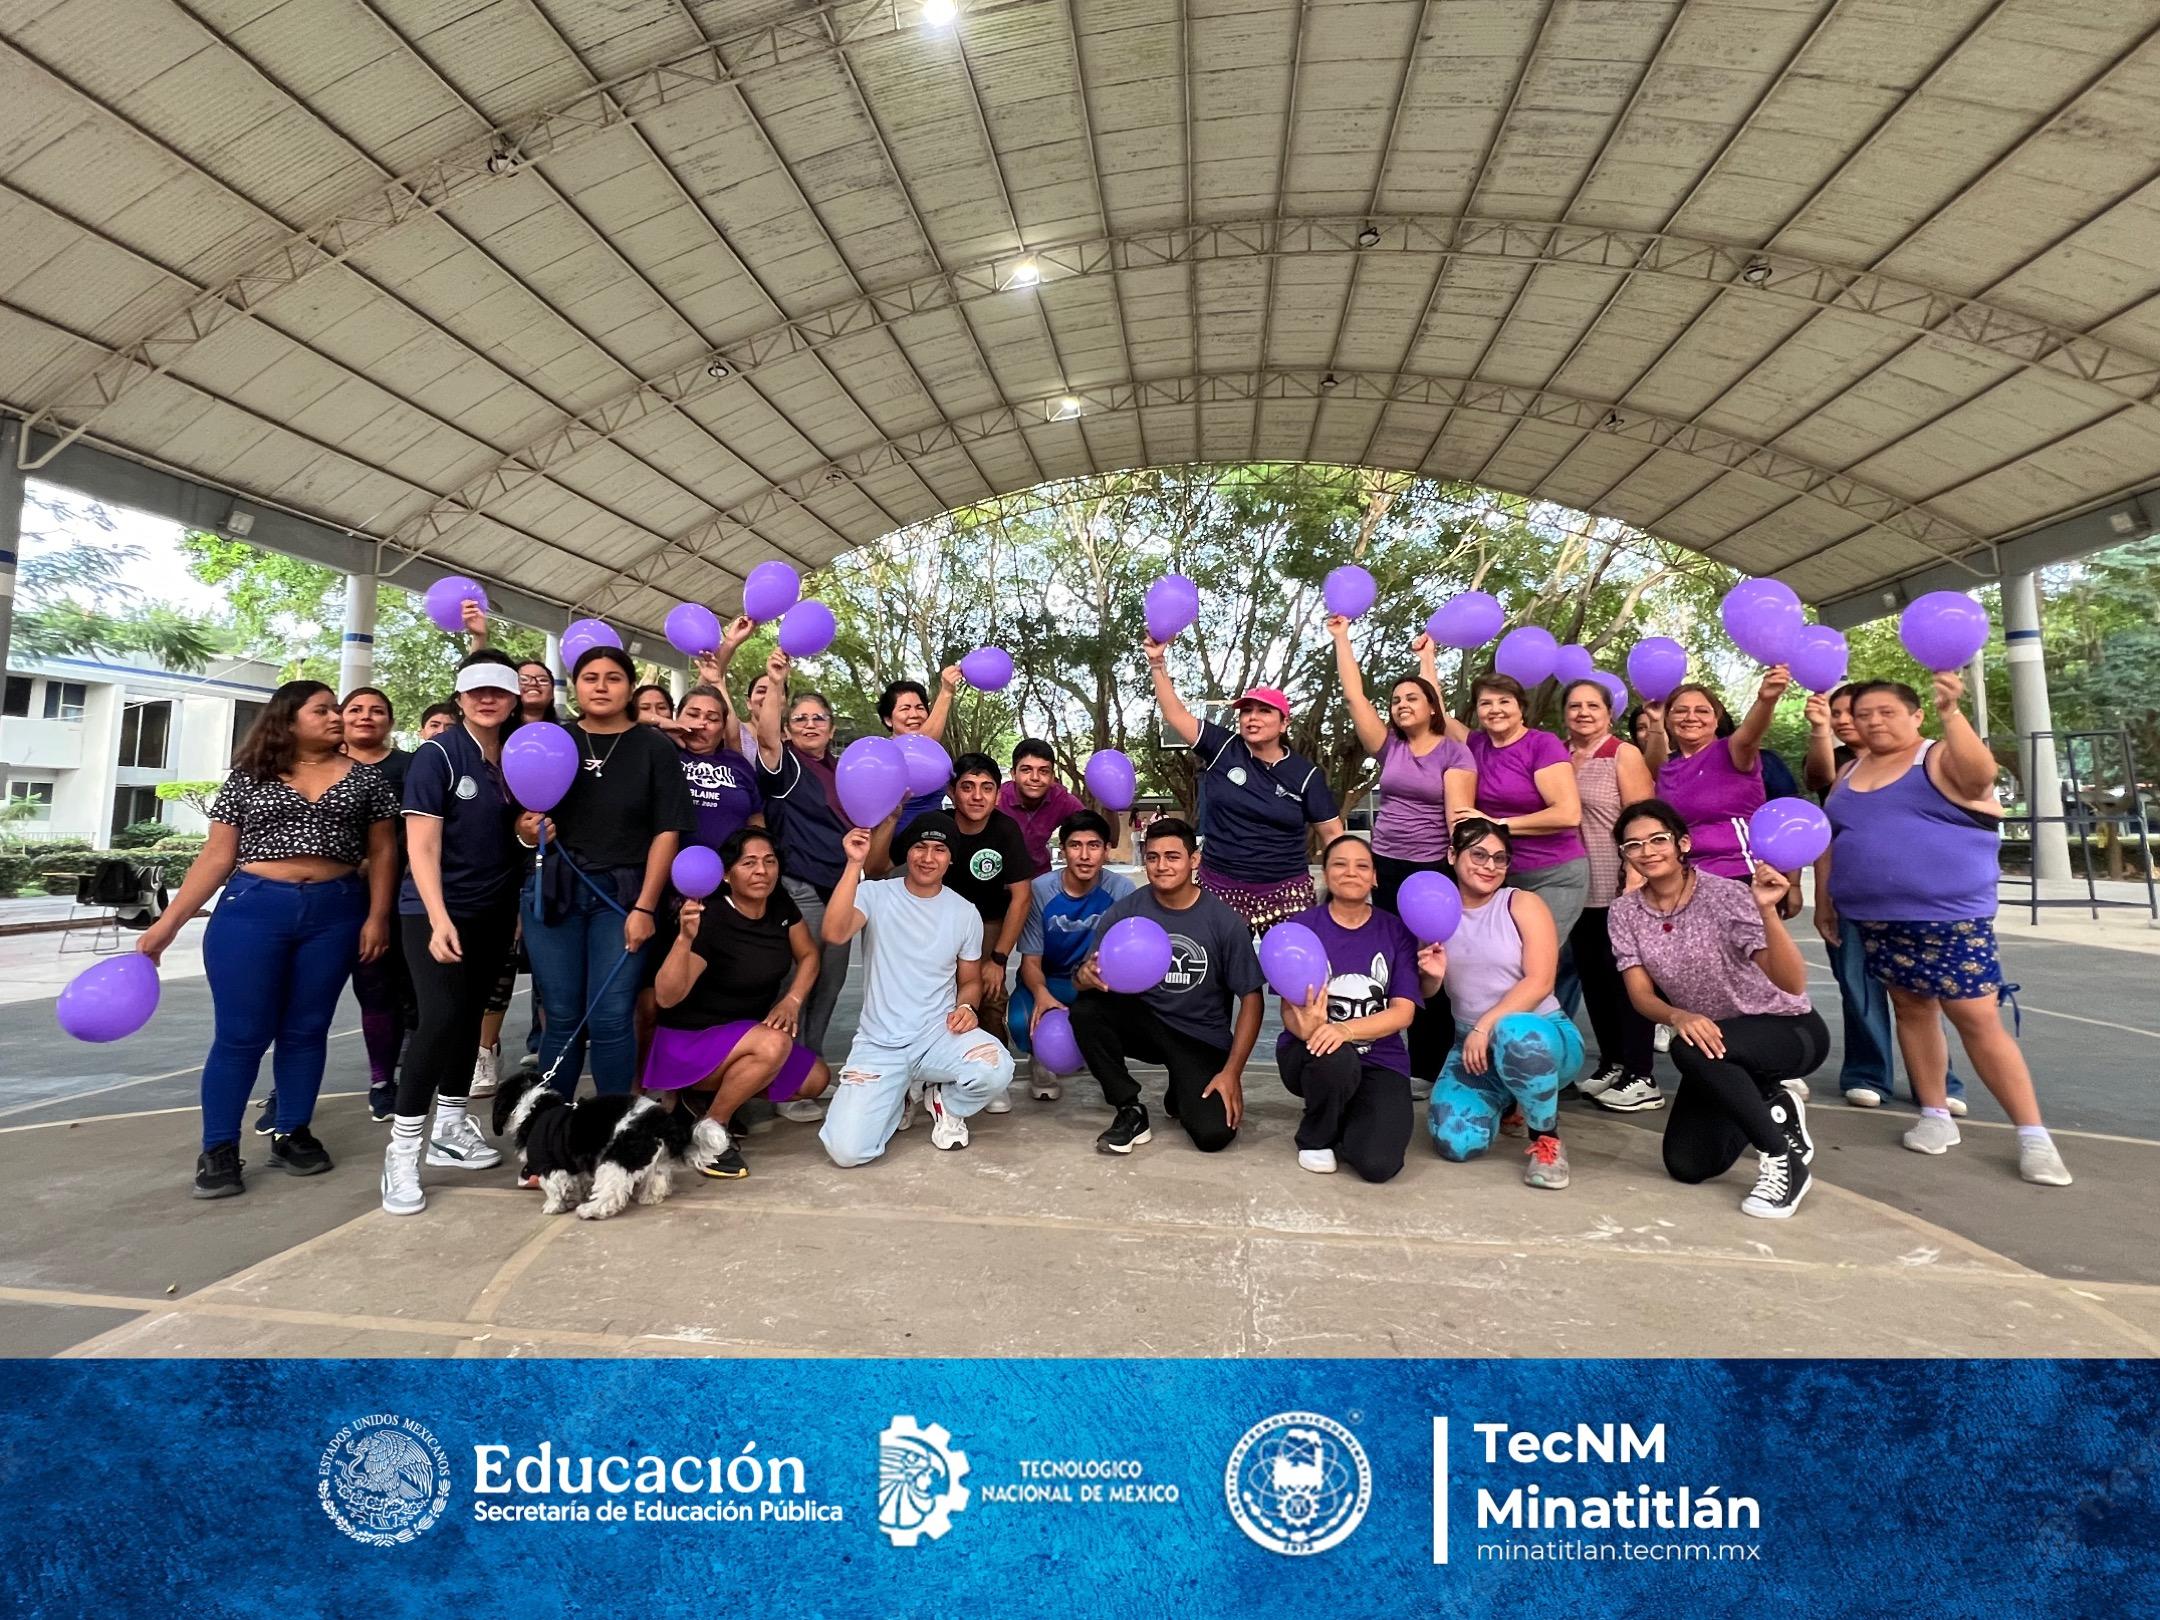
[{"x": 912, "y": 947}]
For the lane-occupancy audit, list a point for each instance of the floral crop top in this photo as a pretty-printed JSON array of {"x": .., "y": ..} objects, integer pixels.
[{"x": 276, "y": 824}]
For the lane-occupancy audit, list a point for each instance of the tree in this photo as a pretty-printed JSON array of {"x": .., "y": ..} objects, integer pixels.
[{"x": 77, "y": 598}]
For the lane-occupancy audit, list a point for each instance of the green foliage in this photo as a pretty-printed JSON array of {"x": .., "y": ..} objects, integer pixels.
[
  {"x": 77, "y": 597},
  {"x": 16, "y": 873},
  {"x": 195, "y": 795},
  {"x": 142, "y": 835}
]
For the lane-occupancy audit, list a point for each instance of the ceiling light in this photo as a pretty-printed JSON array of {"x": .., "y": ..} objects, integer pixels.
[
  {"x": 239, "y": 523},
  {"x": 1027, "y": 273},
  {"x": 939, "y": 13},
  {"x": 1066, "y": 409},
  {"x": 501, "y": 161},
  {"x": 1330, "y": 380},
  {"x": 717, "y": 370},
  {"x": 1369, "y": 237},
  {"x": 1756, "y": 273},
  {"x": 2120, "y": 522}
]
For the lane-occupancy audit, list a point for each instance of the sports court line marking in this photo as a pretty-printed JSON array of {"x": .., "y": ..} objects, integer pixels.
[
  {"x": 1819, "y": 977},
  {"x": 123, "y": 1085}
]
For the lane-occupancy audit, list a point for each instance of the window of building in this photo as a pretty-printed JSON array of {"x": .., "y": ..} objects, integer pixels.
[
  {"x": 133, "y": 804},
  {"x": 18, "y": 697},
  {"x": 144, "y": 729},
  {"x": 64, "y": 700},
  {"x": 38, "y": 795},
  {"x": 243, "y": 717}
]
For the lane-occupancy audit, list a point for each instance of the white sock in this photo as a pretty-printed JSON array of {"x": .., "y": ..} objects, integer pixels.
[
  {"x": 2033, "y": 1133},
  {"x": 448, "y": 1112},
  {"x": 407, "y": 1127},
  {"x": 1935, "y": 1113}
]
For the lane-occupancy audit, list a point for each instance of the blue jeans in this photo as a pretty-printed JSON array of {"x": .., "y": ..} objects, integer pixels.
[
  {"x": 277, "y": 955},
  {"x": 573, "y": 960},
  {"x": 1870, "y": 1047},
  {"x": 1021, "y": 1011}
]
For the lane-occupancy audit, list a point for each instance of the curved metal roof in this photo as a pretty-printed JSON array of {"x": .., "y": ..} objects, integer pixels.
[{"x": 612, "y": 299}]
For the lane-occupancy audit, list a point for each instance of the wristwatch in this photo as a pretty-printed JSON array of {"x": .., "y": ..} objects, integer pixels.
[{"x": 1001, "y": 957}]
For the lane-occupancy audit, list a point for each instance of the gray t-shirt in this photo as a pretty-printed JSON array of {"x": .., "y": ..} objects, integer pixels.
[
  {"x": 912, "y": 947},
  {"x": 1212, "y": 962}
]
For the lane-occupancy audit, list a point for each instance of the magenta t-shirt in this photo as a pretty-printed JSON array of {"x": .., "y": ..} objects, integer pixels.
[
  {"x": 1702, "y": 957},
  {"x": 1709, "y": 790},
  {"x": 1413, "y": 822},
  {"x": 1507, "y": 787},
  {"x": 1039, "y": 825}
]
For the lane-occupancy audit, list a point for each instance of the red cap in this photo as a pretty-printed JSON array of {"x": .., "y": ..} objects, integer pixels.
[{"x": 1268, "y": 696}]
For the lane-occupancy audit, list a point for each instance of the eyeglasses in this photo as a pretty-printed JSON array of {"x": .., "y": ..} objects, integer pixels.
[
  {"x": 1636, "y": 847},
  {"x": 536, "y": 682},
  {"x": 810, "y": 720},
  {"x": 1493, "y": 859}
]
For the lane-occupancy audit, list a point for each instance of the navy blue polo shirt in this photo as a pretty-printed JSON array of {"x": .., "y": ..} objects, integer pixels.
[
  {"x": 1253, "y": 816},
  {"x": 451, "y": 781}
]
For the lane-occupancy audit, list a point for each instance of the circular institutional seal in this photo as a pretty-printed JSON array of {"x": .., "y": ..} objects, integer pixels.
[
  {"x": 1298, "y": 1483},
  {"x": 383, "y": 1479}
]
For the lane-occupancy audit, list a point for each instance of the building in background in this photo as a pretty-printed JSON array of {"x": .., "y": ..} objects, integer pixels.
[{"x": 86, "y": 741}]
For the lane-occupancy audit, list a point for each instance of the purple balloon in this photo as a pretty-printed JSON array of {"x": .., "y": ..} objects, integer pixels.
[
  {"x": 1787, "y": 834},
  {"x": 110, "y": 1000},
  {"x": 581, "y": 636},
  {"x": 1819, "y": 658},
  {"x": 1573, "y": 663},
  {"x": 1110, "y": 777},
  {"x": 1615, "y": 689},
  {"x": 771, "y": 589},
  {"x": 1430, "y": 906},
  {"x": 446, "y": 598},
  {"x": 1655, "y": 665},
  {"x": 1943, "y": 629},
  {"x": 696, "y": 871},
  {"x": 872, "y": 778},
  {"x": 540, "y": 761},
  {"x": 987, "y": 669},
  {"x": 1466, "y": 621},
  {"x": 692, "y": 629},
  {"x": 1294, "y": 961},
  {"x": 1764, "y": 619},
  {"x": 1055, "y": 1047},
  {"x": 1173, "y": 603},
  {"x": 807, "y": 629},
  {"x": 1350, "y": 591},
  {"x": 1134, "y": 956},
  {"x": 929, "y": 767},
  {"x": 1527, "y": 654}
]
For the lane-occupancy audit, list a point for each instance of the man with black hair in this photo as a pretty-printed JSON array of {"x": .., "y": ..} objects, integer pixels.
[
  {"x": 1060, "y": 929},
  {"x": 1200, "y": 1023},
  {"x": 905, "y": 706},
  {"x": 1037, "y": 801}
]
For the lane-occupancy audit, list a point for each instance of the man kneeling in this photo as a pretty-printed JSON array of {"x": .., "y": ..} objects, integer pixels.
[
  {"x": 1184, "y": 1023},
  {"x": 923, "y": 948}
]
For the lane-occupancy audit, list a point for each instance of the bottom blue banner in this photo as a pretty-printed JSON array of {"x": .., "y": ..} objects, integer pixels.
[{"x": 1075, "y": 1488}]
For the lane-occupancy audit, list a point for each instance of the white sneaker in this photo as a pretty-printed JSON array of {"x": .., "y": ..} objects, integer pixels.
[
  {"x": 1797, "y": 1087},
  {"x": 401, "y": 1194},
  {"x": 947, "y": 1129},
  {"x": 1043, "y": 1086},
  {"x": 2039, "y": 1162},
  {"x": 457, "y": 1144},
  {"x": 1956, "y": 1105},
  {"x": 1932, "y": 1135},
  {"x": 485, "y": 1078},
  {"x": 1662, "y": 1039},
  {"x": 802, "y": 1110},
  {"x": 1000, "y": 1104},
  {"x": 1604, "y": 1080},
  {"x": 908, "y": 1104},
  {"x": 1863, "y": 1097},
  {"x": 1321, "y": 1161},
  {"x": 1636, "y": 1094}
]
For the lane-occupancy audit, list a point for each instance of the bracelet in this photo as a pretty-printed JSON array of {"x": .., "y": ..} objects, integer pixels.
[{"x": 648, "y": 910}]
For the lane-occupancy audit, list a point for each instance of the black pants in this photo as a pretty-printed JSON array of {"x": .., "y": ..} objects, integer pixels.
[
  {"x": 1109, "y": 1029},
  {"x": 1359, "y": 1109},
  {"x": 1431, "y": 1035},
  {"x": 1623, "y": 1035},
  {"x": 452, "y": 996},
  {"x": 1723, "y": 1106}
]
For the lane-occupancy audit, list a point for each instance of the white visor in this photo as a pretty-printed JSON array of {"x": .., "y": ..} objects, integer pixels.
[{"x": 488, "y": 676}]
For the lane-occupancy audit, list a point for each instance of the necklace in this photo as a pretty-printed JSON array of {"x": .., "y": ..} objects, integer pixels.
[
  {"x": 1687, "y": 893},
  {"x": 597, "y": 762}
]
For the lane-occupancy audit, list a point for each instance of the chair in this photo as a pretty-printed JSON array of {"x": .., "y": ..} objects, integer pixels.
[{"x": 129, "y": 897}]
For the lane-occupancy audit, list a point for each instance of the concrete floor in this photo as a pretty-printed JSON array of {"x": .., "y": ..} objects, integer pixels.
[{"x": 1030, "y": 1243}]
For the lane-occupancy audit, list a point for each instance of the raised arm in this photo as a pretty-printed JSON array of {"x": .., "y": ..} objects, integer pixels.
[
  {"x": 474, "y": 618},
  {"x": 1967, "y": 769},
  {"x": 1371, "y": 730},
  {"x": 1819, "y": 770},
  {"x": 1180, "y": 719},
  {"x": 768, "y": 711},
  {"x": 1745, "y": 744},
  {"x": 842, "y": 920},
  {"x": 1657, "y": 747},
  {"x": 1428, "y": 663},
  {"x": 941, "y": 710},
  {"x": 682, "y": 967},
  {"x": 1780, "y": 957}
]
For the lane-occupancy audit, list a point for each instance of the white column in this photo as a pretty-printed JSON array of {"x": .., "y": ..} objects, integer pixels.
[
  {"x": 356, "y": 657},
  {"x": 553, "y": 654},
  {"x": 2032, "y": 713},
  {"x": 679, "y": 685},
  {"x": 11, "y": 505}
]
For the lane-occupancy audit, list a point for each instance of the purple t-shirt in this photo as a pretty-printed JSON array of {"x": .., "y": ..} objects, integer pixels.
[
  {"x": 1413, "y": 822},
  {"x": 1702, "y": 957},
  {"x": 723, "y": 792},
  {"x": 1368, "y": 967},
  {"x": 1709, "y": 790},
  {"x": 1507, "y": 786},
  {"x": 1039, "y": 825}
]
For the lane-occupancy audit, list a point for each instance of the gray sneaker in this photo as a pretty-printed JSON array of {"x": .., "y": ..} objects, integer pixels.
[
  {"x": 2039, "y": 1162},
  {"x": 802, "y": 1110},
  {"x": 401, "y": 1194},
  {"x": 457, "y": 1144},
  {"x": 1933, "y": 1134},
  {"x": 1546, "y": 1164}
]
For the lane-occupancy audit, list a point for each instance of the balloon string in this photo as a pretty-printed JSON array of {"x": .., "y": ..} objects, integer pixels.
[{"x": 563, "y": 855}]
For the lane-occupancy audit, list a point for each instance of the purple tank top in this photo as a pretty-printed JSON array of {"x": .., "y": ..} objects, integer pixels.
[
  {"x": 1709, "y": 790},
  {"x": 1507, "y": 786},
  {"x": 1484, "y": 962},
  {"x": 1875, "y": 836}
]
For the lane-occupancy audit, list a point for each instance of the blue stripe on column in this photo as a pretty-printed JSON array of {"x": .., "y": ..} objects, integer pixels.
[
  {"x": 2021, "y": 635},
  {"x": 354, "y": 635}
]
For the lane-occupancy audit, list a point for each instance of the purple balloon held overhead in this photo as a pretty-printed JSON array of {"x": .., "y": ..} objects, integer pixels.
[
  {"x": 540, "y": 761},
  {"x": 807, "y": 629},
  {"x": 581, "y": 636},
  {"x": 109, "y": 1001},
  {"x": 1943, "y": 629},
  {"x": 1294, "y": 961},
  {"x": 1110, "y": 777},
  {"x": 692, "y": 629},
  {"x": 696, "y": 872},
  {"x": 1055, "y": 1047},
  {"x": 1134, "y": 956},
  {"x": 1349, "y": 591},
  {"x": 929, "y": 767},
  {"x": 1527, "y": 654},
  {"x": 1787, "y": 834},
  {"x": 1173, "y": 603},
  {"x": 1466, "y": 621},
  {"x": 1573, "y": 663},
  {"x": 872, "y": 779},
  {"x": 1764, "y": 619},
  {"x": 987, "y": 669},
  {"x": 1819, "y": 658},
  {"x": 771, "y": 589},
  {"x": 446, "y": 598},
  {"x": 1430, "y": 906},
  {"x": 1655, "y": 665},
  {"x": 1615, "y": 689}
]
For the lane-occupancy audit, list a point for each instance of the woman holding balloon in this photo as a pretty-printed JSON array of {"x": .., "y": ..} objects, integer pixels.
[
  {"x": 1715, "y": 782},
  {"x": 1526, "y": 786},
  {"x": 457, "y": 910}
]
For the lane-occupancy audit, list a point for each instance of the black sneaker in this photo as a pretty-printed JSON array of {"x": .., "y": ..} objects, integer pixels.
[
  {"x": 730, "y": 1166},
  {"x": 1789, "y": 1109},
  {"x": 1781, "y": 1181},
  {"x": 217, "y": 1173},
  {"x": 382, "y": 1102},
  {"x": 266, "y": 1119},
  {"x": 1126, "y": 1132},
  {"x": 297, "y": 1153}
]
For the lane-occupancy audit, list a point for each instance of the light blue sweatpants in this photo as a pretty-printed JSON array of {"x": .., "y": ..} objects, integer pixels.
[
  {"x": 870, "y": 1090},
  {"x": 1532, "y": 1055}
]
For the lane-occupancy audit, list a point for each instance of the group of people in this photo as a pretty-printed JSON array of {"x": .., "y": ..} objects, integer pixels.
[{"x": 1609, "y": 864}]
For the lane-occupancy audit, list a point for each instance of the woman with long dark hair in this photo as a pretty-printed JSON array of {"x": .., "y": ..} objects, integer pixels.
[
  {"x": 653, "y": 705},
  {"x": 383, "y": 988},
  {"x": 536, "y": 690},
  {"x": 290, "y": 829},
  {"x": 458, "y": 913}
]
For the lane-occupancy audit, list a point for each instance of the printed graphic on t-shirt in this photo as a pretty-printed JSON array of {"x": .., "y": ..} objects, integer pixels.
[
  {"x": 985, "y": 864},
  {"x": 1358, "y": 995},
  {"x": 709, "y": 776},
  {"x": 1188, "y": 965}
]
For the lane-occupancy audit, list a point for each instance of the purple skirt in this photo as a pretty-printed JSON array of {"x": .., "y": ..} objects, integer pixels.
[{"x": 686, "y": 1057}]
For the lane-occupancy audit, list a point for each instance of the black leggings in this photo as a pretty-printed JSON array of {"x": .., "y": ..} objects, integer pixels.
[
  {"x": 452, "y": 995},
  {"x": 1359, "y": 1109},
  {"x": 1110, "y": 1028},
  {"x": 1723, "y": 1106},
  {"x": 1431, "y": 1035},
  {"x": 1623, "y": 1035}
]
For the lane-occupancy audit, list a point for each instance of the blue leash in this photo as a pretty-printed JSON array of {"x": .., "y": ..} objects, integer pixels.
[{"x": 614, "y": 905}]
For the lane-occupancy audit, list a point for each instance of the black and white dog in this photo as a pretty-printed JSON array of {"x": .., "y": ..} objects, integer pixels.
[{"x": 600, "y": 1153}]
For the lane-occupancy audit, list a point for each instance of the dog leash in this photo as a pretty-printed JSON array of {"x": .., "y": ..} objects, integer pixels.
[{"x": 614, "y": 905}]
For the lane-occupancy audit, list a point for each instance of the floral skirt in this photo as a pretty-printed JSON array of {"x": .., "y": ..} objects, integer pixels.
[
  {"x": 1262, "y": 905},
  {"x": 1954, "y": 961}
]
